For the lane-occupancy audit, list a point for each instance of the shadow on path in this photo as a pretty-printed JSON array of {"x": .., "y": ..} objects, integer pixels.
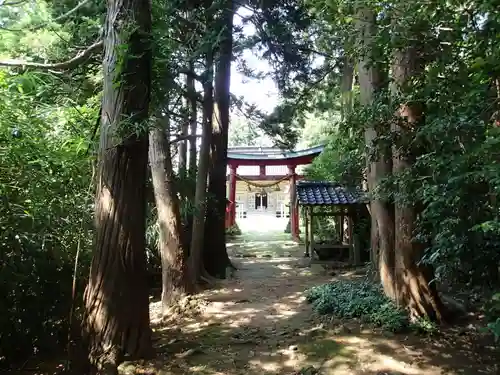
[{"x": 258, "y": 323}]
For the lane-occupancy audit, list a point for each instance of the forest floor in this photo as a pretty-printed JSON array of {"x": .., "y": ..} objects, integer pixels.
[{"x": 258, "y": 322}]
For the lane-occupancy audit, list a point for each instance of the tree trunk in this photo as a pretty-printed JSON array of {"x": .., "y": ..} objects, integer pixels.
[
  {"x": 414, "y": 288},
  {"x": 193, "y": 121},
  {"x": 183, "y": 143},
  {"x": 346, "y": 86},
  {"x": 216, "y": 259},
  {"x": 372, "y": 81},
  {"x": 375, "y": 245},
  {"x": 116, "y": 319},
  {"x": 198, "y": 235},
  {"x": 175, "y": 281},
  {"x": 190, "y": 192}
]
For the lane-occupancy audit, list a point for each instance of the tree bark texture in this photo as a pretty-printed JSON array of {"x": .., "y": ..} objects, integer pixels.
[
  {"x": 116, "y": 319},
  {"x": 193, "y": 121},
  {"x": 413, "y": 285},
  {"x": 346, "y": 86},
  {"x": 216, "y": 259},
  {"x": 183, "y": 146},
  {"x": 175, "y": 280},
  {"x": 196, "y": 265},
  {"x": 379, "y": 163}
]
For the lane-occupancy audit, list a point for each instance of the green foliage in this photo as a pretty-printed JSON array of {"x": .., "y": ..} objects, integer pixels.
[
  {"x": 343, "y": 159},
  {"x": 47, "y": 120},
  {"x": 234, "y": 230},
  {"x": 348, "y": 299},
  {"x": 46, "y": 192},
  {"x": 424, "y": 326},
  {"x": 45, "y": 216},
  {"x": 493, "y": 314},
  {"x": 243, "y": 133},
  {"x": 454, "y": 180},
  {"x": 494, "y": 327}
]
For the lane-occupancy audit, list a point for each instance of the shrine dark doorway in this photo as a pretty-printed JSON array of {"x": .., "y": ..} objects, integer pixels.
[{"x": 261, "y": 201}]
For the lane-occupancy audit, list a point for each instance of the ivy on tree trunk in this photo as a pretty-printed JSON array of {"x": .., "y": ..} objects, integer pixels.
[
  {"x": 116, "y": 319},
  {"x": 378, "y": 158},
  {"x": 414, "y": 285},
  {"x": 175, "y": 280}
]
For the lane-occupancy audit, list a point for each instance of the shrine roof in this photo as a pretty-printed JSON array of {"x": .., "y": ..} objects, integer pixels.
[
  {"x": 324, "y": 193},
  {"x": 271, "y": 156}
]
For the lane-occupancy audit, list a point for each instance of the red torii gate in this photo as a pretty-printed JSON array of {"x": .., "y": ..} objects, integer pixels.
[{"x": 291, "y": 159}]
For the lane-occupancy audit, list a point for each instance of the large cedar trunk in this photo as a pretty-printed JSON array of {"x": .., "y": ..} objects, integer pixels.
[
  {"x": 414, "y": 287},
  {"x": 216, "y": 259},
  {"x": 116, "y": 319},
  {"x": 198, "y": 235},
  {"x": 372, "y": 80},
  {"x": 175, "y": 281}
]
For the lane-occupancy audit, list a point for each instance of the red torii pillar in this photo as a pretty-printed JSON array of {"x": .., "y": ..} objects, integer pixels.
[
  {"x": 232, "y": 194},
  {"x": 294, "y": 208},
  {"x": 228, "y": 214}
]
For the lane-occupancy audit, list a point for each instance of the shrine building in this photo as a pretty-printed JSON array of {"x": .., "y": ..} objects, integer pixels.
[{"x": 261, "y": 180}]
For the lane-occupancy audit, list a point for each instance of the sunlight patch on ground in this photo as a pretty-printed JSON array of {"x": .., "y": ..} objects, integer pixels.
[
  {"x": 225, "y": 312},
  {"x": 279, "y": 262},
  {"x": 232, "y": 311},
  {"x": 262, "y": 224},
  {"x": 369, "y": 358},
  {"x": 259, "y": 324},
  {"x": 211, "y": 295},
  {"x": 269, "y": 366}
]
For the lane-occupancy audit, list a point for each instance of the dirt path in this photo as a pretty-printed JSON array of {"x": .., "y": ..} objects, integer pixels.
[{"x": 258, "y": 323}]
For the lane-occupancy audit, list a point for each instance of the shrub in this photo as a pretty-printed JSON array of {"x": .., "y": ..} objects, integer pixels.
[
  {"x": 493, "y": 314},
  {"x": 348, "y": 299},
  {"x": 46, "y": 205}
]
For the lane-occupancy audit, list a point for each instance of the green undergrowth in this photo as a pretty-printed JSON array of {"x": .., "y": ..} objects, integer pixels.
[
  {"x": 353, "y": 299},
  {"x": 492, "y": 309},
  {"x": 233, "y": 230}
]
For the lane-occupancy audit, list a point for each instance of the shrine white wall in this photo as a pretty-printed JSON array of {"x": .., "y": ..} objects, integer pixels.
[{"x": 278, "y": 196}]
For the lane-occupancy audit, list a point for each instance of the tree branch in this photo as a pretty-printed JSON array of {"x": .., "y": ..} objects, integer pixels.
[
  {"x": 72, "y": 63},
  {"x": 185, "y": 138},
  {"x": 13, "y": 3},
  {"x": 59, "y": 18}
]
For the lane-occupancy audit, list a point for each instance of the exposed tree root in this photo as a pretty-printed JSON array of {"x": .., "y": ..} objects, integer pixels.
[{"x": 208, "y": 280}]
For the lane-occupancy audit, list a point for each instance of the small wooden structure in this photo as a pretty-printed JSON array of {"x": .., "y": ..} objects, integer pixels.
[{"x": 320, "y": 199}]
